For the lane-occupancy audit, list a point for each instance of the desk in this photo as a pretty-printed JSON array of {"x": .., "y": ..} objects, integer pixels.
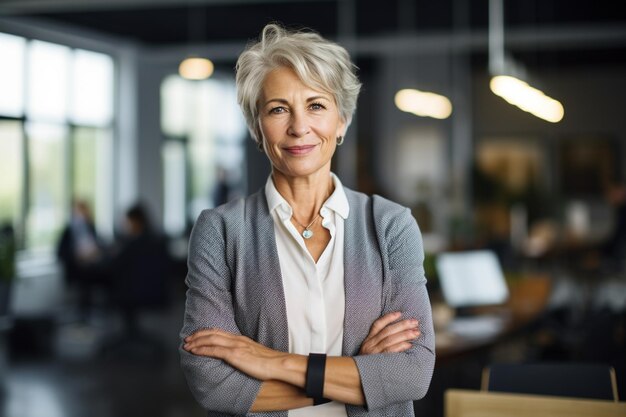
[{"x": 528, "y": 299}]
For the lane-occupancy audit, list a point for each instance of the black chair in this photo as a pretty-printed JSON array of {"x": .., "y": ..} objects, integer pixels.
[
  {"x": 555, "y": 379},
  {"x": 140, "y": 276}
]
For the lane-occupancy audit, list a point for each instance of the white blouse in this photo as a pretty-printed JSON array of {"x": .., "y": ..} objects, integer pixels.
[{"x": 314, "y": 292}]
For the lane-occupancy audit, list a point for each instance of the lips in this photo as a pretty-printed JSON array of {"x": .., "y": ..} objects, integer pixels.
[{"x": 299, "y": 150}]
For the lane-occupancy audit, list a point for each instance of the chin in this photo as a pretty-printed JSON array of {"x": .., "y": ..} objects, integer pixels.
[{"x": 302, "y": 171}]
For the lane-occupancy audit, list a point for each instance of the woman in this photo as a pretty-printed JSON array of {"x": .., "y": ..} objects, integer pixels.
[{"x": 305, "y": 268}]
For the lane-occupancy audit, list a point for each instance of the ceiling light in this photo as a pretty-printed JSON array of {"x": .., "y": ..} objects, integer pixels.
[
  {"x": 507, "y": 74},
  {"x": 527, "y": 98},
  {"x": 423, "y": 104},
  {"x": 195, "y": 68}
]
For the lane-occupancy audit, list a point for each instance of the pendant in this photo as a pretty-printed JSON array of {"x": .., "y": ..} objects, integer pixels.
[{"x": 307, "y": 234}]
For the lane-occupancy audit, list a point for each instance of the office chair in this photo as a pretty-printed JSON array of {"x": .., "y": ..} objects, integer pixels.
[
  {"x": 564, "y": 380},
  {"x": 142, "y": 275}
]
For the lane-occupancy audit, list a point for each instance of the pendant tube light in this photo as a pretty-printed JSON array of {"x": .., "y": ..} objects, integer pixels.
[
  {"x": 195, "y": 67},
  {"x": 508, "y": 77}
]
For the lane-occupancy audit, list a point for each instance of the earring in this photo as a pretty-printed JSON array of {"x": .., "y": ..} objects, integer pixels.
[{"x": 339, "y": 140}]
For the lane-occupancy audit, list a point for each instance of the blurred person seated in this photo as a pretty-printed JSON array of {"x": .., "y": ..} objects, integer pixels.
[
  {"x": 82, "y": 253},
  {"x": 139, "y": 269}
]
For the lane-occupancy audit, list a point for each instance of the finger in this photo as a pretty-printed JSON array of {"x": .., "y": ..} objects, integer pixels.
[
  {"x": 400, "y": 347},
  {"x": 210, "y": 351},
  {"x": 401, "y": 326},
  {"x": 214, "y": 339},
  {"x": 371, "y": 343},
  {"x": 382, "y": 345},
  {"x": 394, "y": 339},
  {"x": 199, "y": 333},
  {"x": 206, "y": 332},
  {"x": 198, "y": 342},
  {"x": 383, "y": 321},
  {"x": 398, "y": 327}
]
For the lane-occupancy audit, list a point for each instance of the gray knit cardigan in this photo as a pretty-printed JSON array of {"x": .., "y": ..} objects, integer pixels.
[{"x": 234, "y": 283}]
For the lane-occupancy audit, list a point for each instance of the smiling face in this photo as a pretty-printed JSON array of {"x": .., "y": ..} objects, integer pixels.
[{"x": 299, "y": 125}]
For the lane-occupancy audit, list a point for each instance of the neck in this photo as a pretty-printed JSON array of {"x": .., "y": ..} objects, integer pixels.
[{"x": 305, "y": 195}]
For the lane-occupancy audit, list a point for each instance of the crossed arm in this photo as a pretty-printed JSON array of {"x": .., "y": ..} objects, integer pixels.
[
  {"x": 230, "y": 373},
  {"x": 283, "y": 374}
]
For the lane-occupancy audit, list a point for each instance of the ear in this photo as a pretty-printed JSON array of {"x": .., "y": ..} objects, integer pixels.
[{"x": 342, "y": 127}]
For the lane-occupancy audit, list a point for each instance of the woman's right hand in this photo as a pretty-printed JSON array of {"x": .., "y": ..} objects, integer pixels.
[{"x": 388, "y": 335}]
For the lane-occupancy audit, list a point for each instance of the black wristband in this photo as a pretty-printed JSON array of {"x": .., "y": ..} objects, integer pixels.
[
  {"x": 320, "y": 401},
  {"x": 315, "y": 369}
]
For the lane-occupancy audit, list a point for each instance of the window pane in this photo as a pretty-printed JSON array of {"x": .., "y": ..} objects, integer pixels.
[
  {"x": 217, "y": 110},
  {"x": 174, "y": 187},
  {"x": 84, "y": 166},
  {"x": 202, "y": 175},
  {"x": 92, "y": 88},
  {"x": 11, "y": 172},
  {"x": 12, "y": 75},
  {"x": 175, "y": 106},
  {"x": 48, "y": 75},
  {"x": 47, "y": 172},
  {"x": 92, "y": 174}
]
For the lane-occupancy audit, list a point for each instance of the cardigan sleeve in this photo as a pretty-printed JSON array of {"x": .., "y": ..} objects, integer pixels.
[
  {"x": 215, "y": 385},
  {"x": 389, "y": 378}
]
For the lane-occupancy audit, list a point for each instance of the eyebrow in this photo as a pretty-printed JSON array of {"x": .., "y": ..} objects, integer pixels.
[{"x": 284, "y": 101}]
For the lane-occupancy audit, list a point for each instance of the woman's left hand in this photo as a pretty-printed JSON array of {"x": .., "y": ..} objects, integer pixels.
[
  {"x": 388, "y": 335},
  {"x": 240, "y": 352}
]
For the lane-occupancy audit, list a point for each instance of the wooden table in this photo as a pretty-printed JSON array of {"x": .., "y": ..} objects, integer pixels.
[{"x": 467, "y": 403}]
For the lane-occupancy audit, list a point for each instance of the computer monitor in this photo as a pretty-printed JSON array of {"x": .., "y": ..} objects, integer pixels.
[{"x": 471, "y": 278}]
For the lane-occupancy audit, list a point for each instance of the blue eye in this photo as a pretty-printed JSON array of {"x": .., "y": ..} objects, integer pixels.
[
  {"x": 317, "y": 106},
  {"x": 277, "y": 110}
]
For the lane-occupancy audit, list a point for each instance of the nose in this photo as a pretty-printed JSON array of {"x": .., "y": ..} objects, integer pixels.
[{"x": 298, "y": 125}]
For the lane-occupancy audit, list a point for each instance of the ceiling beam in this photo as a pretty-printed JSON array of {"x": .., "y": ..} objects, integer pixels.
[
  {"x": 519, "y": 39},
  {"x": 23, "y": 7},
  {"x": 522, "y": 39}
]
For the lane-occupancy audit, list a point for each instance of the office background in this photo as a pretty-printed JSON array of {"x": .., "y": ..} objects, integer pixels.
[{"x": 92, "y": 107}]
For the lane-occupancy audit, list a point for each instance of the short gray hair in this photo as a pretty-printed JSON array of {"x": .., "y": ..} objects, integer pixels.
[{"x": 321, "y": 64}]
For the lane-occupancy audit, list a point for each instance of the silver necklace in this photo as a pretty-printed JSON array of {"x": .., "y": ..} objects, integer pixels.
[{"x": 307, "y": 233}]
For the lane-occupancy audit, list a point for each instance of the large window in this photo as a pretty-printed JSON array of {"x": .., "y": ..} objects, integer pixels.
[
  {"x": 56, "y": 125},
  {"x": 11, "y": 170},
  {"x": 204, "y": 155},
  {"x": 47, "y": 191}
]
